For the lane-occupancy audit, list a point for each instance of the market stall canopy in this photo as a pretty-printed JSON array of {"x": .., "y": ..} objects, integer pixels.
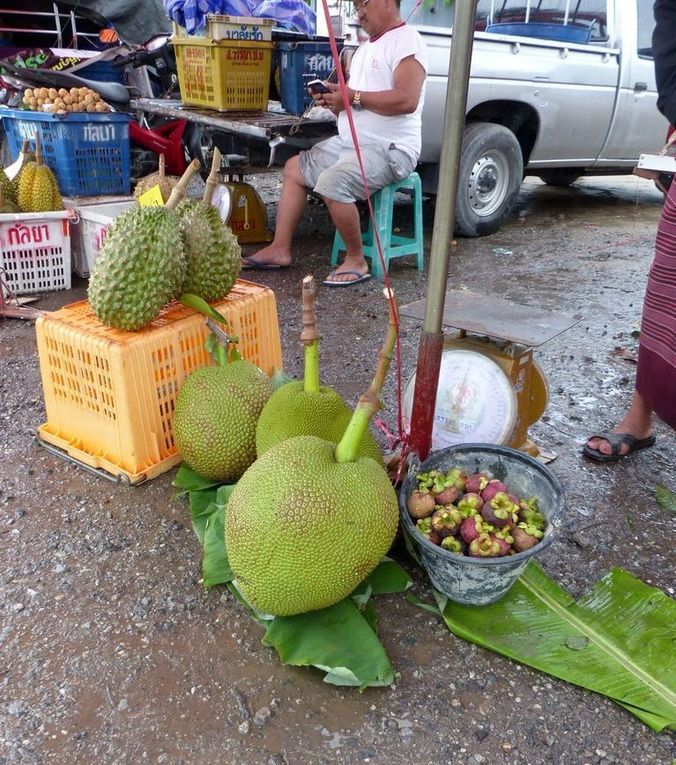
[{"x": 78, "y": 23}]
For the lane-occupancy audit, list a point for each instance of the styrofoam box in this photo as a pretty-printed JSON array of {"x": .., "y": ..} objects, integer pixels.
[
  {"x": 35, "y": 251},
  {"x": 89, "y": 232}
]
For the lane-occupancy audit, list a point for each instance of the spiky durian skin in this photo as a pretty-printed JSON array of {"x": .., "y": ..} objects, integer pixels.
[
  {"x": 9, "y": 189},
  {"x": 213, "y": 254},
  {"x": 38, "y": 189},
  {"x": 140, "y": 268}
]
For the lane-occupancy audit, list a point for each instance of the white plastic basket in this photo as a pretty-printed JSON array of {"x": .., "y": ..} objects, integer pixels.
[
  {"x": 90, "y": 230},
  {"x": 35, "y": 251}
]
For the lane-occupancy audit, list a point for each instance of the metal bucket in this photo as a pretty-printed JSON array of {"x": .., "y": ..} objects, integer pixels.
[{"x": 478, "y": 581}]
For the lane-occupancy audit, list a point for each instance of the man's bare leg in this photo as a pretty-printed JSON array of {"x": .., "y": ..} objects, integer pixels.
[
  {"x": 345, "y": 217},
  {"x": 289, "y": 211},
  {"x": 637, "y": 422}
]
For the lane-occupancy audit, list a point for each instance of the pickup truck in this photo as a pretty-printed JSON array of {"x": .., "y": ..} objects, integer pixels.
[{"x": 558, "y": 89}]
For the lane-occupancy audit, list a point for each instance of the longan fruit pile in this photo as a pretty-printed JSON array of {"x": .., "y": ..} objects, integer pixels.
[{"x": 62, "y": 101}]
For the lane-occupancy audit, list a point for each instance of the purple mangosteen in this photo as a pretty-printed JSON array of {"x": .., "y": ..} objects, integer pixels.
[
  {"x": 500, "y": 511},
  {"x": 492, "y": 488}
]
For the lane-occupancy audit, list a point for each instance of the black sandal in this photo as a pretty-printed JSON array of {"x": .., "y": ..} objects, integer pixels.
[{"x": 616, "y": 440}]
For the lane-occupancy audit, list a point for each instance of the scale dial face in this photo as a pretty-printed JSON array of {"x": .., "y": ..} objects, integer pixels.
[
  {"x": 475, "y": 401},
  {"x": 222, "y": 201}
]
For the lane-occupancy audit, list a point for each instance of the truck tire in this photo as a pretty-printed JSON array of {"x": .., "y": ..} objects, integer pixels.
[
  {"x": 490, "y": 175},
  {"x": 561, "y": 178}
]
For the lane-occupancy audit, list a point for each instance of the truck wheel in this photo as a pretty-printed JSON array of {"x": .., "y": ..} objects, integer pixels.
[
  {"x": 490, "y": 175},
  {"x": 561, "y": 178}
]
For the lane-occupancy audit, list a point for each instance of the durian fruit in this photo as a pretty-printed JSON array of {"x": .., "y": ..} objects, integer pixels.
[
  {"x": 309, "y": 520},
  {"x": 13, "y": 171},
  {"x": 6, "y": 204},
  {"x": 7, "y": 187},
  {"x": 165, "y": 182},
  {"x": 38, "y": 190},
  {"x": 141, "y": 264},
  {"x": 305, "y": 407},
  {"x": 213, "y": 254}
]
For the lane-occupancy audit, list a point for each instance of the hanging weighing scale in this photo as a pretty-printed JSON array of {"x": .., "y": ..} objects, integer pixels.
[
  {"x": 240, "y": 205},
  {"x": 491, "y": 390}
]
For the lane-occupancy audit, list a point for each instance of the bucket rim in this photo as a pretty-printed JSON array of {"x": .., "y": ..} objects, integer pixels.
[{"x": 497, "y": 449}]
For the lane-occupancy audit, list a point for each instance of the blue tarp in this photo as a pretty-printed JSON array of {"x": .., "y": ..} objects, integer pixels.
[{"x": 295, "y": 15}]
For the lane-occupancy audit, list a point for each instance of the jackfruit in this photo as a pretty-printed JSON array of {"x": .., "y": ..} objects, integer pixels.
[
  {"x": 213, "y": 255},
  {"x": 308, "y": 408},
  {"x": 38, "y": 190},
  {"x": 140, "y": 267},
  {"x": 309, "y": 520},
  {"x": 302, "y": 530},
  {"x": 215, "y": 418},
  {"x": 159, "y": 178}
]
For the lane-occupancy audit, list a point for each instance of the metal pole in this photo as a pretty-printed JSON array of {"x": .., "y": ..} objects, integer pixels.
[{"x": 431, "y": 339}]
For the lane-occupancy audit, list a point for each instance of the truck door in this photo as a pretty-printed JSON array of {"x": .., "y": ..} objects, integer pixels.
[{"x": 636, "y": 126}]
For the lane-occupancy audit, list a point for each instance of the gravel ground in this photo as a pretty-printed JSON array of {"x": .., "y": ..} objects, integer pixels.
[{"x": 112, "y": 652}]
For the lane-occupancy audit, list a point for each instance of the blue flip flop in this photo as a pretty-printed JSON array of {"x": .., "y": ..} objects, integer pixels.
[
  {"x": 329, "y": 282},
  {"x": 251, "y": 264}
]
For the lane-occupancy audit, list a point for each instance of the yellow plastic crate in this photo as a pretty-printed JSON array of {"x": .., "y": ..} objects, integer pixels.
[
  {"x": 110, "y": 394},
  {"x": 227, "y": 75}
]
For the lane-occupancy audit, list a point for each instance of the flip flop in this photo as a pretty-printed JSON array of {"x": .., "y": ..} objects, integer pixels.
[
  {"x": 616, "y": 440},
  {"x": 251, "y": 264},
  {"x": 329, "y": 282}
]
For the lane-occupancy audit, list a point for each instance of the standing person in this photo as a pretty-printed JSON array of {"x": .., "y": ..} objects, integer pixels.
[
  {"x": 655, "y": 387},
  {"x": 386, "y": 92}
]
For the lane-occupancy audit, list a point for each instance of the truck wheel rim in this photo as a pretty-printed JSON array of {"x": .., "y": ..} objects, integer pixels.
[{"x": 488, "y": 183}]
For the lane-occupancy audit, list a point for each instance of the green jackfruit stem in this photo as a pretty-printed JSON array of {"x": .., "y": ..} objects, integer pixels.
[
  {"x": 369, "y": 401},
  {"x": 212, "y": 180},
  {"x": 179, "y": 190},
  {"x": 309, "y": 336}
]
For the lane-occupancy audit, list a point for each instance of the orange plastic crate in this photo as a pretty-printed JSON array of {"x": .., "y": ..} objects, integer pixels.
[{"x": 110, "y": 394}]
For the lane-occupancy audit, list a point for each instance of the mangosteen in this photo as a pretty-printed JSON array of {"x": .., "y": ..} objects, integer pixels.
[
  {"x": 471, "y": 527},
  {"x": 420, "y": 503},
  {"x": 476, "y": 483},
  {"x": 454, "y": 545},
  {"x": 470, "y": 504},
  {"x": 526, "y": 536},
  {"x": 424, "y": 526},
  {"x": 485, "y": 546},
  {"x": 456, "y": 477},
  {"x": 500, "y": 510},
  {"x": 492, "y": 488},
  {"x": 447, "y": 495},
  {"x": 446, "y": 520}
]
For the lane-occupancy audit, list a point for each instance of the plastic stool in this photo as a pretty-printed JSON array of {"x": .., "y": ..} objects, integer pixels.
[{"x": 394, "y": 245}]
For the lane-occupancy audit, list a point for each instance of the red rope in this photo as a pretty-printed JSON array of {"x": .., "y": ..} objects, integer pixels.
[{"x": 402, "y": 435}]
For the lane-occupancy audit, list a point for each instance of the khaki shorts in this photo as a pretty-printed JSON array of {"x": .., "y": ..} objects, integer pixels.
[{"x": 331, "y": 169}]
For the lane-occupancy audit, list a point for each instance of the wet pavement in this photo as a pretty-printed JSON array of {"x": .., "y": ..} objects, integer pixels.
[{"x": 112, "y": 652}]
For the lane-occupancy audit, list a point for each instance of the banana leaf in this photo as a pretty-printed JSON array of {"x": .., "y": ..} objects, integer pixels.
[
  {"x": 341, "y": 640},
  {"x": 617, "y": 640}
]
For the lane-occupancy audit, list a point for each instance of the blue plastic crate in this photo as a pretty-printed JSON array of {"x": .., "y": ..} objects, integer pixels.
[
  {"x": 88, "y": 153},
  {"x": 298, "y": 63}
]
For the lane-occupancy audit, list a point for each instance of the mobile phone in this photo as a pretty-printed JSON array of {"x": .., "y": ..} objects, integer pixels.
[{"x": 317, "y": 86}]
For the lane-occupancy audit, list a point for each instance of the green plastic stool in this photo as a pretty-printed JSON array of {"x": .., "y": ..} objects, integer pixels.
[{"x": 394, "y": 245}]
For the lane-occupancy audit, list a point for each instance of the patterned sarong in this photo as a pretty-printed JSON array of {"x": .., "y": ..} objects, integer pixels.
[{"x": 656, "y": 370}]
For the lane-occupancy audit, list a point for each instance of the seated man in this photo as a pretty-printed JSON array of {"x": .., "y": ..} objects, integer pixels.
[{"x": 386, "y": 90}]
